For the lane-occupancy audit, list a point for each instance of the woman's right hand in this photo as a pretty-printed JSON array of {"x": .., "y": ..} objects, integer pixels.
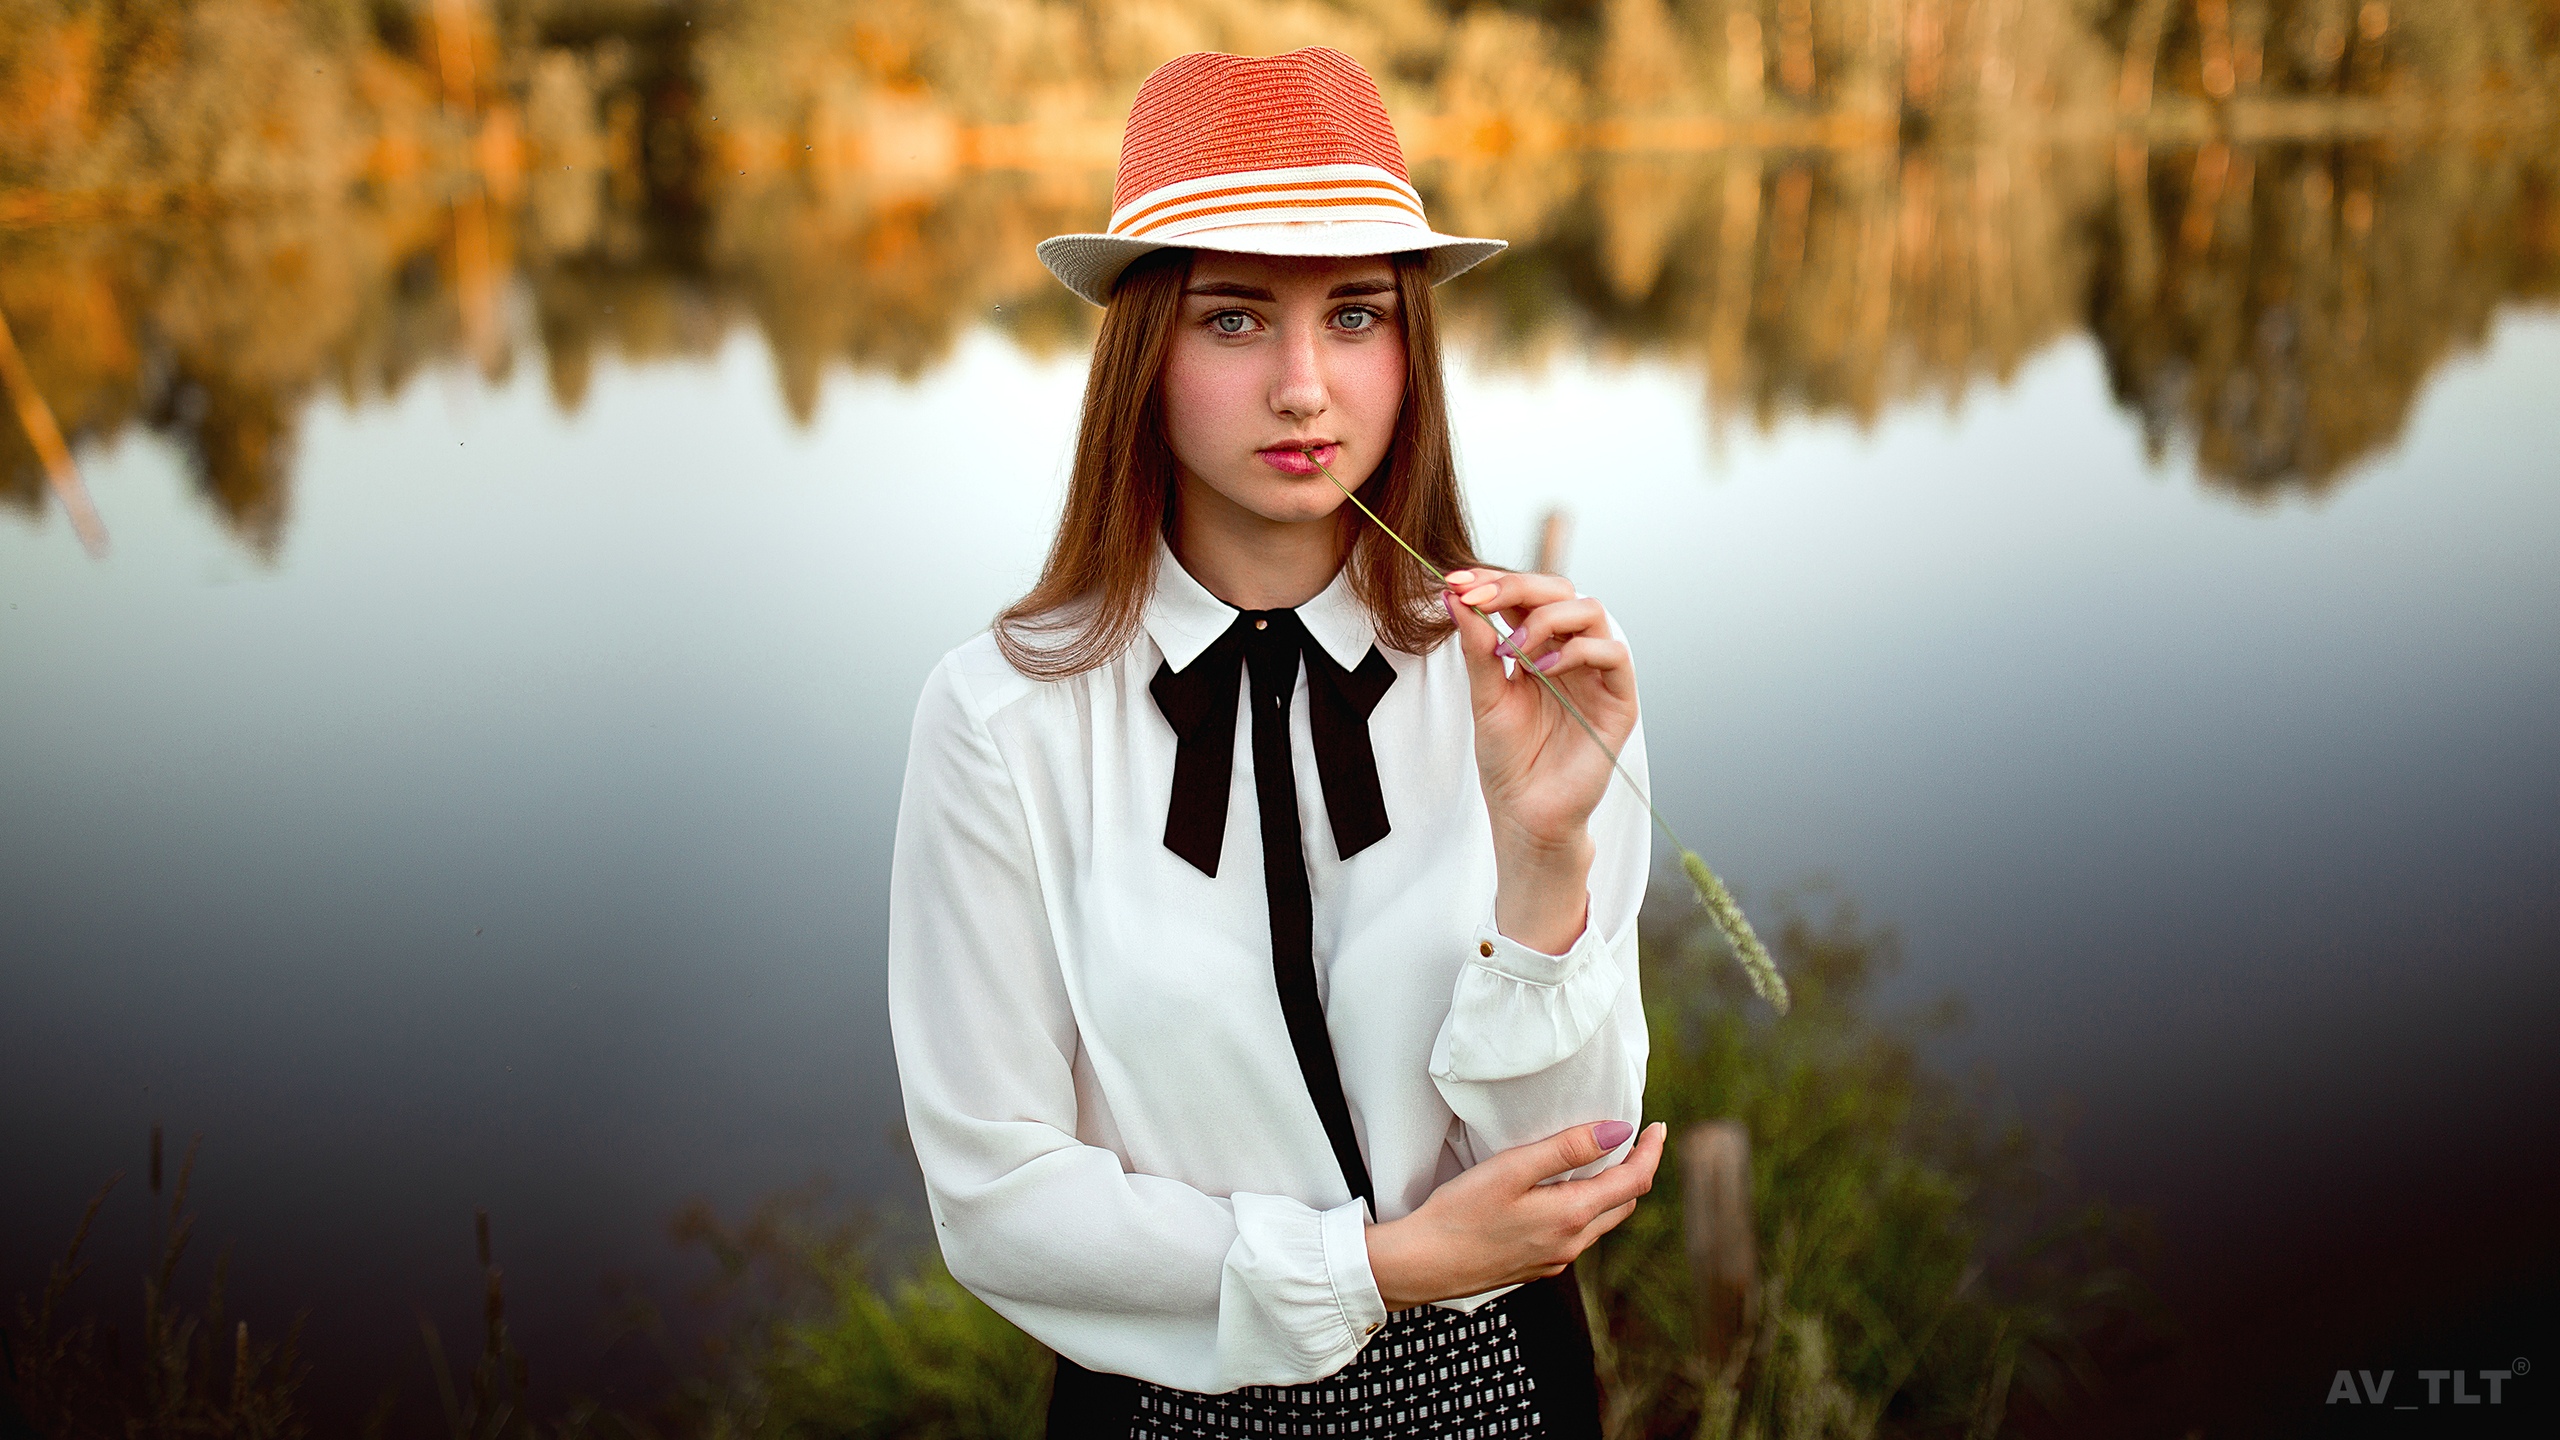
[{"x": 1495, "y": 1225}]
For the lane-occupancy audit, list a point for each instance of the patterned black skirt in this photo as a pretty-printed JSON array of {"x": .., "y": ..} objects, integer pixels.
[{"x": 1518, "y": 1367}]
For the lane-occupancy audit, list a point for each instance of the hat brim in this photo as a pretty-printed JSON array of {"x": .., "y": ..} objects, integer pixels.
[{"x": 1091, "y": 264}]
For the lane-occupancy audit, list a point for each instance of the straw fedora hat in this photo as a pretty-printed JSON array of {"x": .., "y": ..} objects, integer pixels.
[{"x": 1289, "y": 155}]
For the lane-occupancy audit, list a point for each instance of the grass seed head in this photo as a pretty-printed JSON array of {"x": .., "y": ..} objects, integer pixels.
[{"x": 1737, "y": 931}]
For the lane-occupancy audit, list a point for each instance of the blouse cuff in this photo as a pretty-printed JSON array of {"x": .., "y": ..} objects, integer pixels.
[
  {"x": 1298, "y": 1299},
  {"x": 1518, "y": 1011},
  {"x": 1346, "y": 1256}
]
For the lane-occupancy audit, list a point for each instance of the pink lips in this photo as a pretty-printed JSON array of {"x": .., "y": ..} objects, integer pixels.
[{"x": 1290, "y": 460}]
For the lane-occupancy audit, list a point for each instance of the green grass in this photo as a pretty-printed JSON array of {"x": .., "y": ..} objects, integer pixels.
[
  {"x": 927, "y": 1359},
  {"x": 825, "y": 1346},
  {"x": 71, "y": 1375},
  {"x": 1924, "y": 1272}
]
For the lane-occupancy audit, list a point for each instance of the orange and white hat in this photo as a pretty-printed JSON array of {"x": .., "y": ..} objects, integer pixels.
[{"x": 1290, "y": 155}]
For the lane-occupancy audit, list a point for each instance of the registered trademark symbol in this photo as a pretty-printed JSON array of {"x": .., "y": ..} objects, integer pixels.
[{"x": 2520, "y": 1366}]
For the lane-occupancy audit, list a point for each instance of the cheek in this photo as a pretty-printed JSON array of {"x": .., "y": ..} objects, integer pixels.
[
  {"x": 1207, "y": 392},
  {"x": 1369, "y": 386}
]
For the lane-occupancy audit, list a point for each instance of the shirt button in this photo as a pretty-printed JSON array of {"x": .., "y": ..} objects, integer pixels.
[
  {"x": 1261, "y": 624},
  {"x": 1373, "y": 1328},
  {"x": 1485, "y": 948}
]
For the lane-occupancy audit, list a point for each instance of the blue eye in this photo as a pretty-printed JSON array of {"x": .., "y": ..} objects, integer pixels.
[
  {"x": 1357, "y": 318},
  {"x": 1230, "y": 322}
]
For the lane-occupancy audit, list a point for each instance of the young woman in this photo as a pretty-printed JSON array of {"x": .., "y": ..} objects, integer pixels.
[{"x": 1262, "y": 939}]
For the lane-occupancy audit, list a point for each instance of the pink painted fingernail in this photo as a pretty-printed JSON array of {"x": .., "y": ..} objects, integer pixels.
[
  {"x": 1458, "y": 577},
  {"x": 1610, "y": 1134},
  {"x": 1481, "y": 594},
  {"x": 1449, "y": 602},
  {"x": 1506, "y": 647},
  {"x": 1549, "y": 661}
]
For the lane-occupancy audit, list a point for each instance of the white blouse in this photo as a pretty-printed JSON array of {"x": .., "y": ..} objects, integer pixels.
[{"x": 1117, "y": 1144}]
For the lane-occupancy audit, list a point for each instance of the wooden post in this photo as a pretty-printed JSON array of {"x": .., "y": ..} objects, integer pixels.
[
  {"x": 1724, "y": 1266},
  {"x": 1554, "y": 533}
]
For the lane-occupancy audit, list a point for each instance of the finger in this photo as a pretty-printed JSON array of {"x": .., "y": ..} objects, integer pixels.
[
  {"x": 1485, "y": 582},
  {"x": 1565, "y": 1150},
  {"x": 1550, "y": 624},
  {"x": 1515, "y": 609},
  {"x": 1476, "y": 639},
  {"x": 1607, "y": 660},
  {"x": 1513, "y": 593},
  {"x": 1621, "y": 1183},
  {"x": 1646, "y": 1158}
]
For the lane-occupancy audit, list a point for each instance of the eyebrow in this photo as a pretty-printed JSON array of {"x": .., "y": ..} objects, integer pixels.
[{"x": 1346, "y": 290}]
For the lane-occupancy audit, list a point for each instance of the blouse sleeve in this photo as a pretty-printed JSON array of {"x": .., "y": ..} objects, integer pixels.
[
  {"x": 1125, "y": 1273},
  {"x": 1535, "y": 1043}
]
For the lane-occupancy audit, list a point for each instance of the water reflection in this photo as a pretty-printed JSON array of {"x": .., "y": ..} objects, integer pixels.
[
  {"x": 2282, "y": 310},
  {"x": 1826, "y": 206},
  {"x": 2276, "y": 308}
]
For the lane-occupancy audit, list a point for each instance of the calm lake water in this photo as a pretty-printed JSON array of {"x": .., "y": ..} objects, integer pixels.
[{"x": 494, "y": 810}]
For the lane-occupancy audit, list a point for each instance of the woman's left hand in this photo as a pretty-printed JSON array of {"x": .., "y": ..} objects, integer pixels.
[{"x": 1542, "y": 776}]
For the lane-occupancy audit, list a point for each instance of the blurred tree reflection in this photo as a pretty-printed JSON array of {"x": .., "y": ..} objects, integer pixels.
[
  {"x": 885, "y": 276},
  {"x": 2277, "y": 217},
  {"x": 2277, "y": 309},
  {"x": 216, "y": 332},
  {"x": 1808, "y": 281},
  {"x": 2284, "y": 308}
]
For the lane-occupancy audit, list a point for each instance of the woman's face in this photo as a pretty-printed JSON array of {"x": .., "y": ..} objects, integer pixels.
[{"x": 1275, "y": 354}]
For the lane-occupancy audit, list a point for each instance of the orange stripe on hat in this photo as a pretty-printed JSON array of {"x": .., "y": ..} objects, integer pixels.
[
  {"x": 1295, "y": 203},
  {"x": 1377, "y": 192}
]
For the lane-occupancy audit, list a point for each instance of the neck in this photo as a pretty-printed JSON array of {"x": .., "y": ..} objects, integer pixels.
[{"x": 1252, "y": 561}]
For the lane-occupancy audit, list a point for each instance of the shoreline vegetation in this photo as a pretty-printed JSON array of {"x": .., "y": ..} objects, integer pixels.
[
  {"x": 110, "y": 108},
  {"x": 2277, "y": 218},
  {"x": 1926, "y": 1271}
]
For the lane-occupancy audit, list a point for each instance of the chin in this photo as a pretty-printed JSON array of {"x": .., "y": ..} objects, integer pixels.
[
  {"x": 1295, "y": 502},
  {"x": 1277, "y": 498}
]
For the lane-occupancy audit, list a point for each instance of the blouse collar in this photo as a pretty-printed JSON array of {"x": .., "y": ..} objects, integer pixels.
[{"x": 1183, "y": 617}]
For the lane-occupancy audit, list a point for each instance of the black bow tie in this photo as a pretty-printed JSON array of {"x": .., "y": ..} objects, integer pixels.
[{"x": 1200, "y": 703}]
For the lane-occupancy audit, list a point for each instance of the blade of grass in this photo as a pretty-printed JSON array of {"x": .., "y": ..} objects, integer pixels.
[{"x": 1719, "y": 901}]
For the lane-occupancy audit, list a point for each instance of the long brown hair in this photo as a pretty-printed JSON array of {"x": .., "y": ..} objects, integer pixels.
[{"x": 1093, "y": 588}]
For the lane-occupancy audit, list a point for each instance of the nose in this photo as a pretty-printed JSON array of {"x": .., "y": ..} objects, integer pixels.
[{"x": 1298, "y": 391}]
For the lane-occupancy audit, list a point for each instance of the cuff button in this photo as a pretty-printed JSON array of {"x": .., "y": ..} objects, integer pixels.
[
  {"x": 1373, "y": 1328},
  {"x": 1485, "y": 948}
]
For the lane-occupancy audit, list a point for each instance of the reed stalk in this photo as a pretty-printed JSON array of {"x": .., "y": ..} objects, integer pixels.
[{"x": 1720, "y": 905}]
